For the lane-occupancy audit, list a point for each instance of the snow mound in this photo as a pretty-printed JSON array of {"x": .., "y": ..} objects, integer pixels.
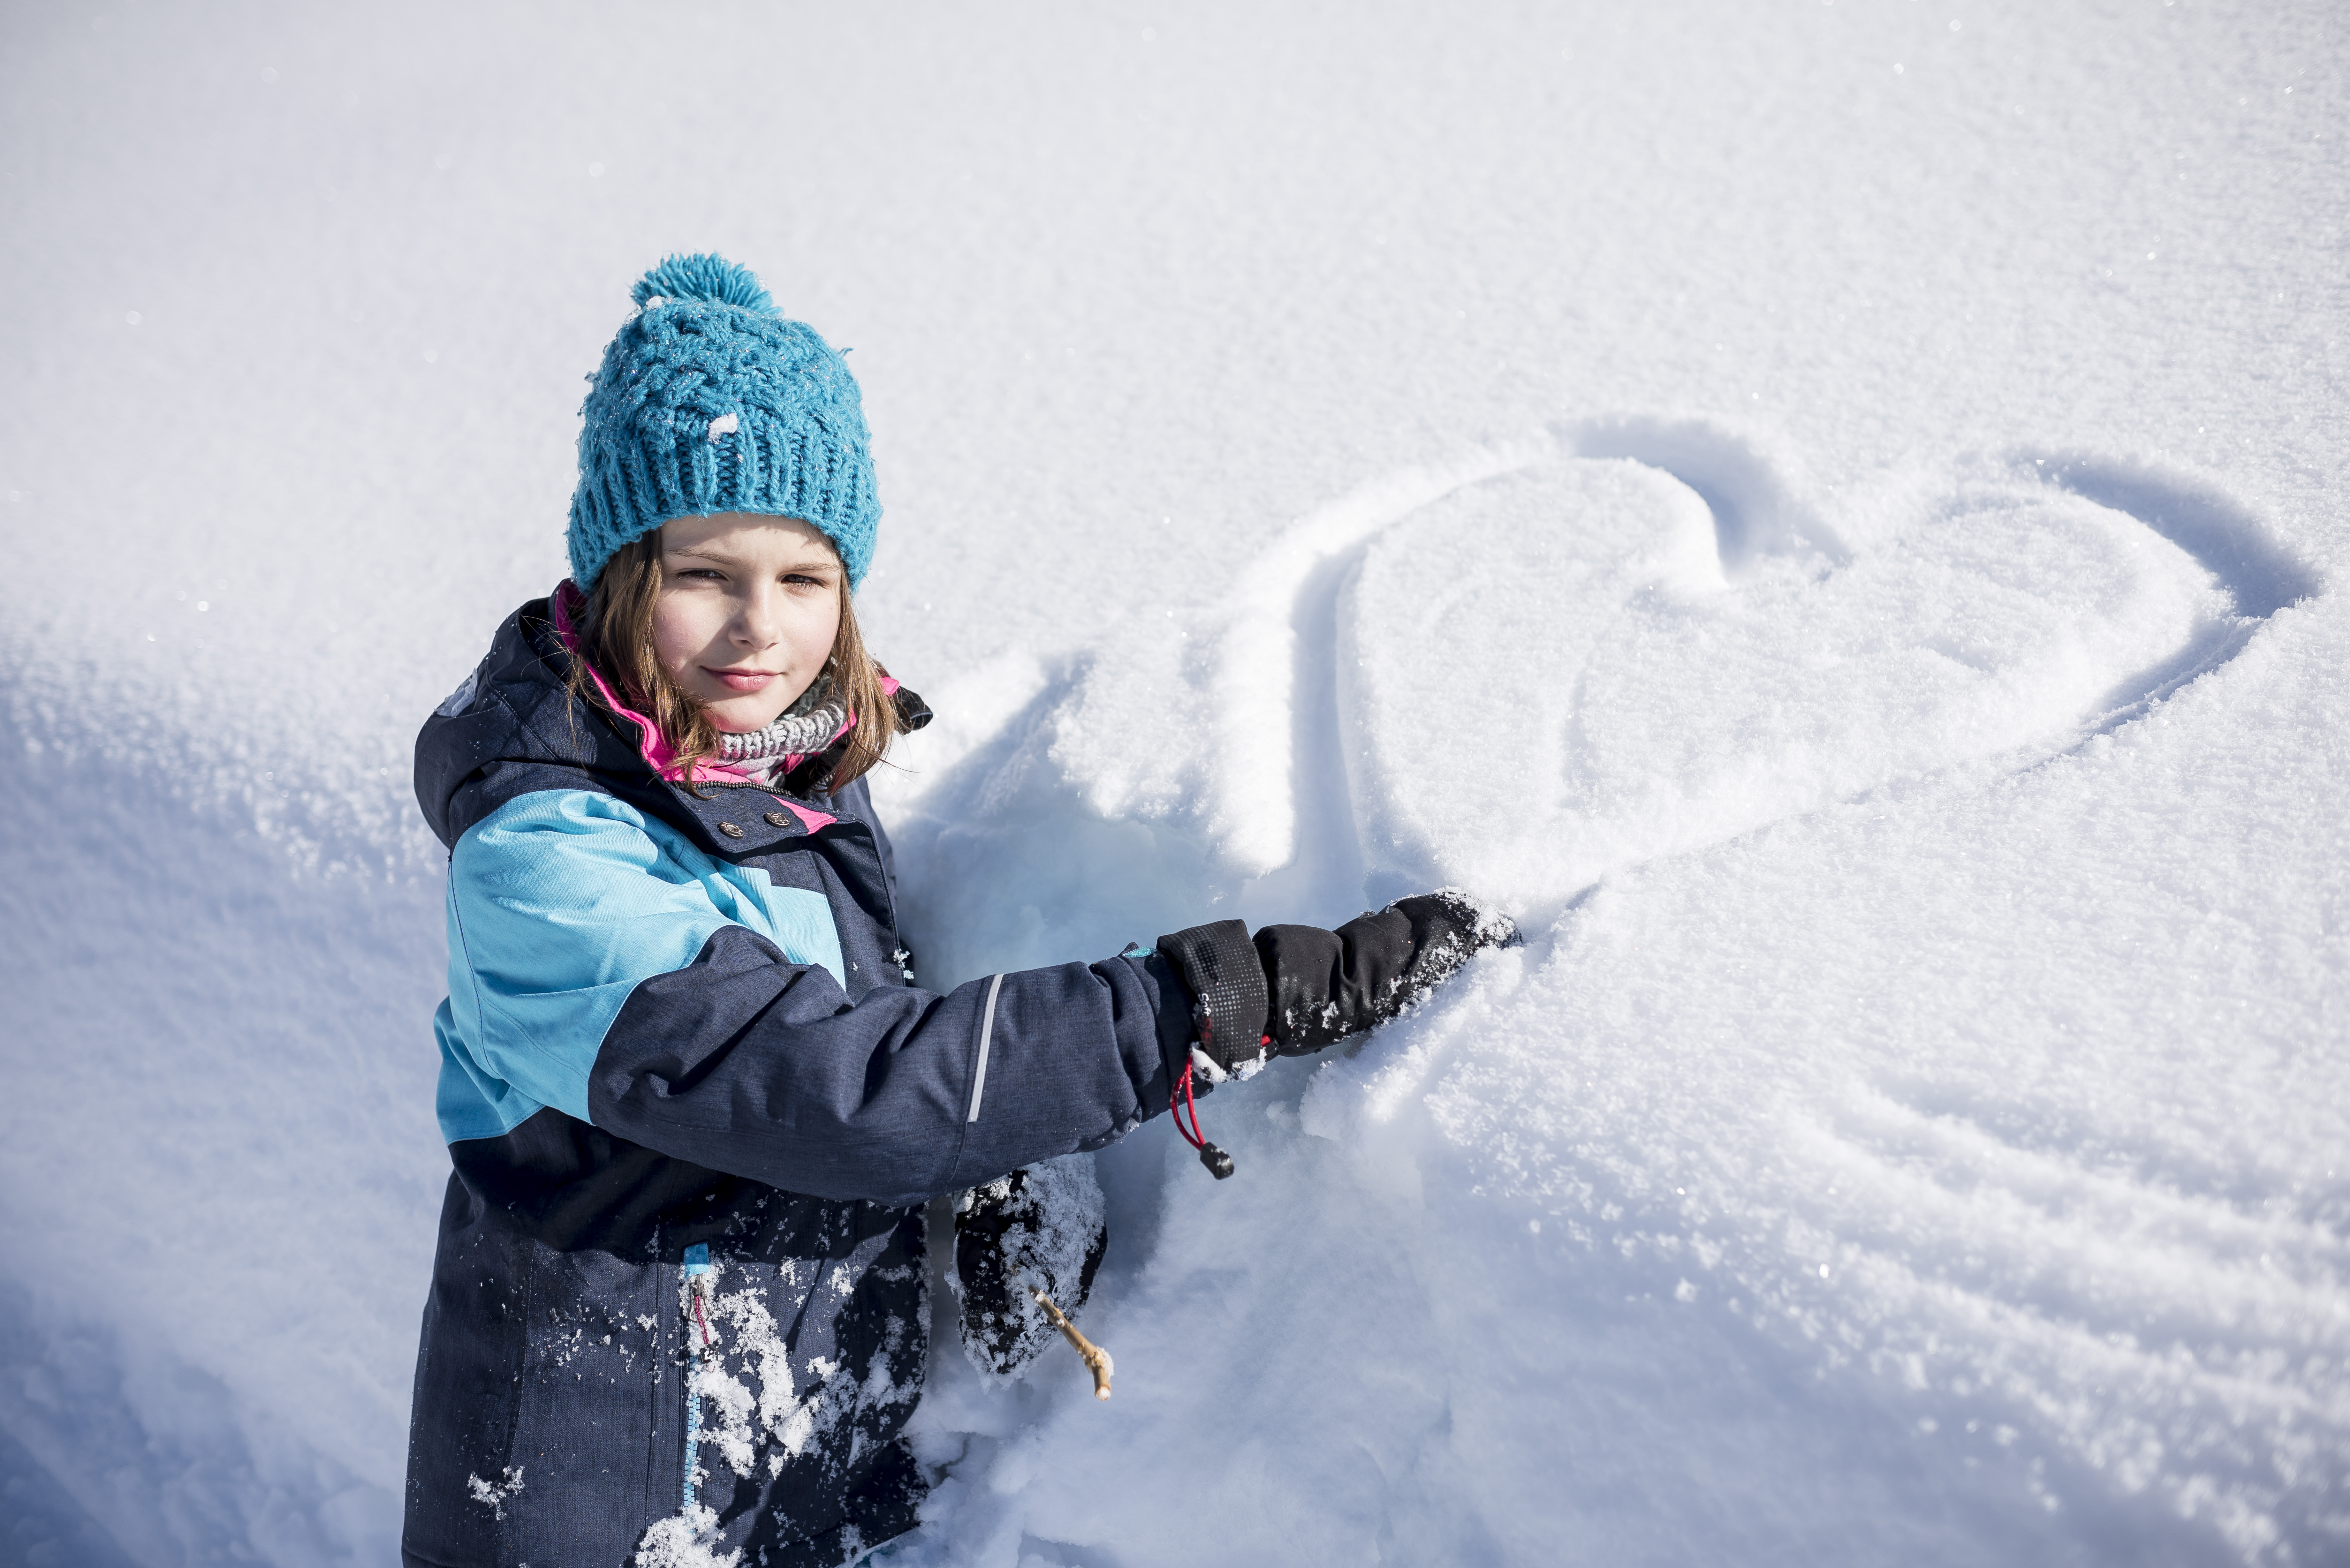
[{"x": 1822, "y": 1166}]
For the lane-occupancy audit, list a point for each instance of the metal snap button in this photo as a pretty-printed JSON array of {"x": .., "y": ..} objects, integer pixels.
[
  {"x": 778, "y": 819},
  {"x": 730, "y": 830}
]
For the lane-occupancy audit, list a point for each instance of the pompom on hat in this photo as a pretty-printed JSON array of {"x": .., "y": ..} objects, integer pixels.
[{"x": 710, "y": 400}]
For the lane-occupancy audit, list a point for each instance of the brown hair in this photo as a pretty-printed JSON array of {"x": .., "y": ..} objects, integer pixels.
[{"x": 615, "y": 634}]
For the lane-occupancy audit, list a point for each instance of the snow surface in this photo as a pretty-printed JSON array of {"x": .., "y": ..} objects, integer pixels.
[{"x": 1831, "y": 513}]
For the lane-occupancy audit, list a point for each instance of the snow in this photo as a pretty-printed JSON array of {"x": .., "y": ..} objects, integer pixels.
[
  {"x": 1829, "y": 514},
  {"x": 684, "y": 1541},
  {"x": 493, "y": 1495},
  {"x": 1672, "y": 682}
]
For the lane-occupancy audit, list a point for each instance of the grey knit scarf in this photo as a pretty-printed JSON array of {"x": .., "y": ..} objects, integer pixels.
[{"x": 808, "y": 725}]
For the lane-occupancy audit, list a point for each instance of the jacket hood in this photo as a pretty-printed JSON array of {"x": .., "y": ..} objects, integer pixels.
[{"x": 517, "y": 707}]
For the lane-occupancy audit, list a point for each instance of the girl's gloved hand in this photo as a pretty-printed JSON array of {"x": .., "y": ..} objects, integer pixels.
[
  {"x": 1042, "y": 1228},
  {"x": 1326, "y": 985},
  {"x": 1296, "y": 989}
]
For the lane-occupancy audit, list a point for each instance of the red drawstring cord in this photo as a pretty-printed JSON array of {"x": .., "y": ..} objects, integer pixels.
[
  {"x": 1180, "y": 1100},
  {"x": 697, "y": 1314}
]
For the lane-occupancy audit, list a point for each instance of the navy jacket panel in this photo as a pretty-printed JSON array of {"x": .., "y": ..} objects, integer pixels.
[
  {"x": 550, "y": 1395},
  {"x": 752, "y": 1065}
]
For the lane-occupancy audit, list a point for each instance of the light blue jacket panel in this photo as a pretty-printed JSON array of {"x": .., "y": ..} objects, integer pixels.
[{"x": 560, "y": 903}]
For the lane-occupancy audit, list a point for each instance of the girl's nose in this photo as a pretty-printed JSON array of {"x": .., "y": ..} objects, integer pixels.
[{"x": 757, "y": 625}]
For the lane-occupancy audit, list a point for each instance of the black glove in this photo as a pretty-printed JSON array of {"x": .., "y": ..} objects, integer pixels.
[
  {"x": 1325, "y": 985},
  {"x": 1296, "y": 989}
]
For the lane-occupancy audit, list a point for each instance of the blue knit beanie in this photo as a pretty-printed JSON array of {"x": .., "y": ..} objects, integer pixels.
[{"x": 710, "y": 400}]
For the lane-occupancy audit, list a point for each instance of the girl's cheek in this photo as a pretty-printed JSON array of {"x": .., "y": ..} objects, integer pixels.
[
  {"x": 814, "y": 631},
  {"x": 676, "y": 642}
]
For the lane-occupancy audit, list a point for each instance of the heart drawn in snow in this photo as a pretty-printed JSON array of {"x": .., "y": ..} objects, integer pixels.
[{"x": 1641, "y": 642}]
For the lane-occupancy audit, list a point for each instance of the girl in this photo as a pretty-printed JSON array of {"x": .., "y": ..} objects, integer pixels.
[{"x": 693, "y": 1097}]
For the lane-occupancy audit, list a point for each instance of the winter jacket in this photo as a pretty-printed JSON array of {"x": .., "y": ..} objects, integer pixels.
[{"x": 693, "y": 1102}]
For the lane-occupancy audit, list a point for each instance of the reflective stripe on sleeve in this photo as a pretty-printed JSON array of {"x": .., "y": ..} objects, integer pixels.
[{"x": 986, "y": 1033}]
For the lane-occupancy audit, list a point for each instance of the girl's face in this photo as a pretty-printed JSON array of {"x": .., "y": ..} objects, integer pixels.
[{"x": 748, "y": 610}]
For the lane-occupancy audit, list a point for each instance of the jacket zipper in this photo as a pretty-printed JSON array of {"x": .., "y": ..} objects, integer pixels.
[{"x": 698, "y": 1281}]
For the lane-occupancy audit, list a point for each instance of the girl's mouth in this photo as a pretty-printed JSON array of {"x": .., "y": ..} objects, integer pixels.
[{"x": 742, "y": 679}]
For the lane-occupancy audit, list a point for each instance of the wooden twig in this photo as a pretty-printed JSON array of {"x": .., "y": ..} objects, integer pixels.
[{"x": 1095, "y": 1358}]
